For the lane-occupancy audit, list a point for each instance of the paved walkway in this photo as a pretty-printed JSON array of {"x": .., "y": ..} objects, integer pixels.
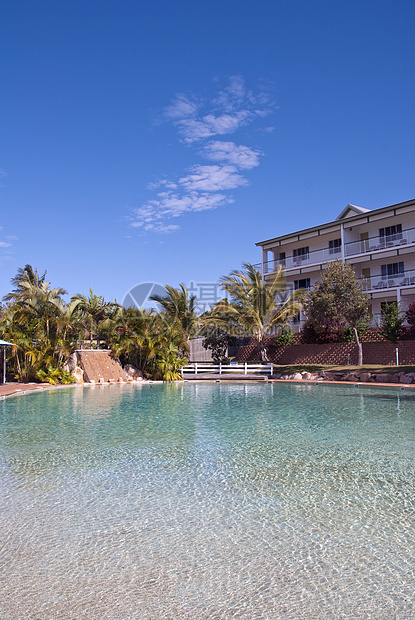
[{"x": 13, "y": 388}]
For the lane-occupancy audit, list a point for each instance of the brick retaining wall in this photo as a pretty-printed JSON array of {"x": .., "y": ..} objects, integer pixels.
[{"x": 339, "y": 353}]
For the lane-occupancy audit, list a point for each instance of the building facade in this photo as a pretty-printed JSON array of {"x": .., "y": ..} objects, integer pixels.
[{"x": 378, "y": 243}]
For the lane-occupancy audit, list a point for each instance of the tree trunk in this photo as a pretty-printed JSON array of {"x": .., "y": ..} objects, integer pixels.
[
  {"x": 359, "y": 348},
  {"x": 262, "y": 351}
]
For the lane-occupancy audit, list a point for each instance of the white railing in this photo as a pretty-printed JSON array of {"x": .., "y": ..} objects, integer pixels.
[
  {"x": 374, "y": 244},
  {"x": 374, "y": 283},
  {"x": 315, "y": 257},
  {"x": 352, "y": 248},
  {"x": 220, "y": 369}
]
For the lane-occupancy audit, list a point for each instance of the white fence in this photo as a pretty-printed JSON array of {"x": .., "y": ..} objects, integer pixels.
[{"x": 221, "y": 369}]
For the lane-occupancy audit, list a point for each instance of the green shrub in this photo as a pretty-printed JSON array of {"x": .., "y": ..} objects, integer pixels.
[
  {"x": 285, "y": 336},
  {"x": 392, "y": 321}
]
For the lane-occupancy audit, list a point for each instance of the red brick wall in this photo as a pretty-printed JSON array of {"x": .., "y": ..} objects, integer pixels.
[{"x": 335, "y": 353}]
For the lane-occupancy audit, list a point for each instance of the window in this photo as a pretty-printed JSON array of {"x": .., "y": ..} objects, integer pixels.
[
  {"x": 281, "y": 258},
  {"x": 385, "y": 304},
  {"x": 335, "y": 246},
  {"x": 392, "y": 270},
  {"x": 390, "y": 233},
  {"x": 297, "y": 318},
  {"x": 301, "y": 253},
  {"x": 305, "y": 283}
]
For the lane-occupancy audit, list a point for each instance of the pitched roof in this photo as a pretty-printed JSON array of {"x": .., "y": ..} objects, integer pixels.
[{"x": 350, "y": 211}]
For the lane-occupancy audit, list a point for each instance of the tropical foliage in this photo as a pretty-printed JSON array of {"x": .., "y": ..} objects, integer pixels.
[
  {"x": 46, "y": 328},
  {"x": 256, "y": 307}
]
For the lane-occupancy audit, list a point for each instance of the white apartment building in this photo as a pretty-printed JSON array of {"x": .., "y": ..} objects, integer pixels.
[{"x": 378, "y": 243}]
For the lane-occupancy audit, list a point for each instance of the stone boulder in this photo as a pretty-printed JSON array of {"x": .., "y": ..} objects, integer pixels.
[
  {"x": 297, "y": 376},
  {"x": 132, "y": 373},
  {"x": 78, "y": 374},
  {"x": 71, "y": 363},
  {"x": 384, "y": 378}
]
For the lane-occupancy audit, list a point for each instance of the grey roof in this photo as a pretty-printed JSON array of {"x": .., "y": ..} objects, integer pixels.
[
  {"x": 3, "y": 342},
  {"x": 359, "y": 211}
]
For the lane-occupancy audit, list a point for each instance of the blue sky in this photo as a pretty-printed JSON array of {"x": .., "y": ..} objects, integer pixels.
[{"x": 158, "y": 142}]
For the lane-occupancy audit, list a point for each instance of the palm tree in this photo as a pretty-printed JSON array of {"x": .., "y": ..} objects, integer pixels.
[
  {"x": 24, "y": 280},
  {"x": 256, "y": 306},
  {"x": 93, "y": 310},
  {"x": 180, "y": 311}
]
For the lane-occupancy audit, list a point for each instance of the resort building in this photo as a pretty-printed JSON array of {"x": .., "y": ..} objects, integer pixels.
[{"x": 378, "y": 243}]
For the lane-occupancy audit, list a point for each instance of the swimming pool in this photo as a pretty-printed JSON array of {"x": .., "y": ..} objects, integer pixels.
[{"x": 203, "y": 500}]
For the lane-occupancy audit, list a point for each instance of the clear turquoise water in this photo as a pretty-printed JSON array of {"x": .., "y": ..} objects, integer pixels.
[{"x": 200, "y": 501}]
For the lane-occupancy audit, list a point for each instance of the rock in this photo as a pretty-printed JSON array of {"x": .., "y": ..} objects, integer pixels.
[
  {"x": 307, "y": 376},
  {"x": 364, "y": 377},
  {"x": 297, "y": 376},
  {"x": 384, "y": 378},
  {"x": 78, "y": 374},
  {"x": 405, "y": 379},
  {"x": 120, "y": 380},
  {"x": 351, "y": 377},
  {"x": 131, "y": 372},
  {"x": 71, "y": 363}
]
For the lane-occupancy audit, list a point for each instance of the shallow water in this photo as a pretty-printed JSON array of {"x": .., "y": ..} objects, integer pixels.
[{"x": 208, "y": 501}]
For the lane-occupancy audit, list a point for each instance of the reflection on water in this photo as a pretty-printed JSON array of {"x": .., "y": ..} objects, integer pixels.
[{"x": 208, "y": 501}]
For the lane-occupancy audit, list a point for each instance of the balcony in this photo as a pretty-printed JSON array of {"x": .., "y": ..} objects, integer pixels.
[
  {"x": 377, "y": 244},
  {"x": 380, "y": 283},
  {"x": 354, "y": 248},
  {"x": 315, "y": 257}
]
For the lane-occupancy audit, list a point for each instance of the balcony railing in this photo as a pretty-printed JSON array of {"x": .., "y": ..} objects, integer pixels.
[
  {"x": 375, "y": 244},
  {"x": 353, "y": 248},
  {"x": 379, "y": 283}
]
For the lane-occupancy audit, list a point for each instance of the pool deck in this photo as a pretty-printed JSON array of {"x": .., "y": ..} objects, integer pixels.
[{"x": 6, "y": 389}]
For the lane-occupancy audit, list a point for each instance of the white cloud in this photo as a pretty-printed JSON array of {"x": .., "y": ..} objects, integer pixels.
[
  {"x": 241, "y": 156},
  {"x": 167, "y": 205},
  {"x": 181, "y": 107},
  {"x": 204, "y": 187},
  {"x": 212, "y": 179},
  {"x": 210, "y": 125},
  {"x": 163, "y": 183},
  {"x": 266, "y": 129},
  {"x": 233, "y": 107},
  {"x": 3, "y": 244}
]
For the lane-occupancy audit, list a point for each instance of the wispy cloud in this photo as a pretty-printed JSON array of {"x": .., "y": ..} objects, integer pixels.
[
  {"x": 212, "y": 179},
  {"x": 198, "y": 121},
  {"x": 241, "y": 156}
]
